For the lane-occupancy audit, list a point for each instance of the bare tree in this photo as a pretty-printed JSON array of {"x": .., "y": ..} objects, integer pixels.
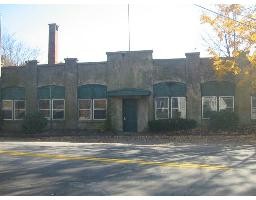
[{"x": 15, "y": 53}]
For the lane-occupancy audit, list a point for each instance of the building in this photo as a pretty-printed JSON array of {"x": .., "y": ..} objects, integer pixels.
[{"x": 129, "y": 89}]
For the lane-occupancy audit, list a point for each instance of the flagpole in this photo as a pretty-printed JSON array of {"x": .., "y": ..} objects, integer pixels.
[{"x": 129, "y": 27}]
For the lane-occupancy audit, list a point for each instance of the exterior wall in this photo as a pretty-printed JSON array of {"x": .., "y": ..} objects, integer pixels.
[
  {"x": 143, "y": 110},
  {"x": 130, "y": 70},
  {"x": 116, "y": 113},
  {"x": 243, "y": 104},
  {"x": 136, "y": 69},
  {"x": 193, "y": 86},
  {"x": 51, "y": 75},
  {"x": 70, "y": 83}
]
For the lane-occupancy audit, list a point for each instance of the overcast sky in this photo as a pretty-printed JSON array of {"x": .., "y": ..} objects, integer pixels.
[{"x": 90, "y": 30}]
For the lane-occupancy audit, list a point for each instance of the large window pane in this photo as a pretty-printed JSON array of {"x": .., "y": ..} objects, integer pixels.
[
  {"x": 100, "y": 103},
  {"x": 175, "y": 102},
  {"x": 99, "y": 114},
  {"x": 45, "y": 108},
  {"x": 7, "y": 114},
  {"x": 162, "y": 102},
  {"x": 44, "y": 104},
  {"x": 85, "y": 109},
  {"x": 253, "y": 113},
  {"x": 7, "y": 109},
  {"x": 58, "y": 114},
  {"x": 254, "y": 101},
  {"x": 226, "y": 103},
  {"x": 162, "y": 114},
  {"x": 99, "y": 111},
  {"x": 178, "y": 107},
  {"x": 84, "y": 114},
  {"x": 176, "y": 114},
  {"x": 46, "y": 113},
  {"x": 209, "y": 104},
  {"x": 84, "y": 103},
  {"x": 19, "y": 112},
  {"x": 7, "y": 105},
  {"x": 19, "y": 104},
  {"x": 253, "y": 107},
  {"x": 58, "y": 109},
  {"x": 58, "y": 104}
]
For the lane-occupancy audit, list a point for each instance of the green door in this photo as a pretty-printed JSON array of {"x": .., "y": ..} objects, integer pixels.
[{"x": 130, "y": 115}]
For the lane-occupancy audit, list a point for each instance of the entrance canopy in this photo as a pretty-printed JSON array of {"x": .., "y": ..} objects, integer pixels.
[{"x": 128, "y": 92}]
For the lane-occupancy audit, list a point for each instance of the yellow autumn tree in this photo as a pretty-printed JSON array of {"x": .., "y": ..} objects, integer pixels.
[{"x": 232, "y": 47}]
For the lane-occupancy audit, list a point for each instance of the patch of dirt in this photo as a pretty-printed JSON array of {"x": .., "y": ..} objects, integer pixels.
[{"x": 145, "y": 138}]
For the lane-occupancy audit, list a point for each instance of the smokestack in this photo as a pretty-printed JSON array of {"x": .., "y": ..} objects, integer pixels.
[{"x": 53, "y": 44}]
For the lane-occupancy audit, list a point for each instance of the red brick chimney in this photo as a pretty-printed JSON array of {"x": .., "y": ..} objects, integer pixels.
[{"x": 53, "y": 44}]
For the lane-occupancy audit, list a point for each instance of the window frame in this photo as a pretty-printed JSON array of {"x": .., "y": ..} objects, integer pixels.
[
  {"x": 252, "y": 108},
  {"x": 216, "y": 97},
  {"x": 5, "y": 109},
  {"x": 52, "y": 109},
  {"x": 93, "y": 109},
  {"x": 168, "y": 107},
  {"x": 14, "y": 109},
  {"x": 85, "y": 109}
]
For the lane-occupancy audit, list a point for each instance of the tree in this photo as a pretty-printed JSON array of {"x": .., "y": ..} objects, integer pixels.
[
  {"x": 15, "y": 52},
  {"x": 233, "y": 45}
]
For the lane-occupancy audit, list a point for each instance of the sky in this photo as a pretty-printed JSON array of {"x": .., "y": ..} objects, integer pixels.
[{"x": 88, "y": 30}]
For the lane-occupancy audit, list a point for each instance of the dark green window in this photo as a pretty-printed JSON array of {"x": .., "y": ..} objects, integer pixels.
[{"x": 51, "y": 92}]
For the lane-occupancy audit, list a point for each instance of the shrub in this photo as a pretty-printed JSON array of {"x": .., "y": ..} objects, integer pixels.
[
  {"x": 108, "y": 124},
  {"x": 34, "y": 123},
  {"x": 223, "y": 120},
  {"x": 171, "y": 125}
]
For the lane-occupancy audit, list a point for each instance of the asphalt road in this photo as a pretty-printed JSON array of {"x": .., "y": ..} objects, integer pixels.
[{"x": 58, "y": 168}]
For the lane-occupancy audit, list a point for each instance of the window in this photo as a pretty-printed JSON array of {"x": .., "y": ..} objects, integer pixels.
[
  {"x": 52, "y": 109},
  {"x": 58, "y": 107},
  {"x": 178, "y": 107},
  {"x": 162, "y": 108},
  {"x": 212, "y": 103},
  {"x": 13, "y": 109},
  {"x": 92, "y": 109},
  {"x": 45, "y": 108},
  {"x": 7, "y": 108},
  {"x": 19, "y": 109},
  {"x": 51, "y": 102},
  {"x": 170, "y": 107},
  {"x": 85, "y": 109},
  {"x": 99, "y": 109},
  {"x": 253, "y": 107},
  {"x": 92, "y": 102},
  {"x": 209, "y": 104}
]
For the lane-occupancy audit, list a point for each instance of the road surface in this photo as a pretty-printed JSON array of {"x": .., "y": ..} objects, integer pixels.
[{"x": 62, "y": 168}]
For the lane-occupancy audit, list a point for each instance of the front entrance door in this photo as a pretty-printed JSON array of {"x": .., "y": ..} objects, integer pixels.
[{"x": 130, "y": 115}]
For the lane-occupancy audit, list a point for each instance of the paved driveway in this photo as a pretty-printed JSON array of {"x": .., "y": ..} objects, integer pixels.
[{"x": 48, "y": 168}]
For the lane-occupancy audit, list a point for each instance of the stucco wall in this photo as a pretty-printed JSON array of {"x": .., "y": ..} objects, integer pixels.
[{"x": 136, "y": 69}]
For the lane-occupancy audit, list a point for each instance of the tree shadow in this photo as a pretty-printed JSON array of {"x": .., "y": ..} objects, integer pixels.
[{"x": 42, "y": 176}]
